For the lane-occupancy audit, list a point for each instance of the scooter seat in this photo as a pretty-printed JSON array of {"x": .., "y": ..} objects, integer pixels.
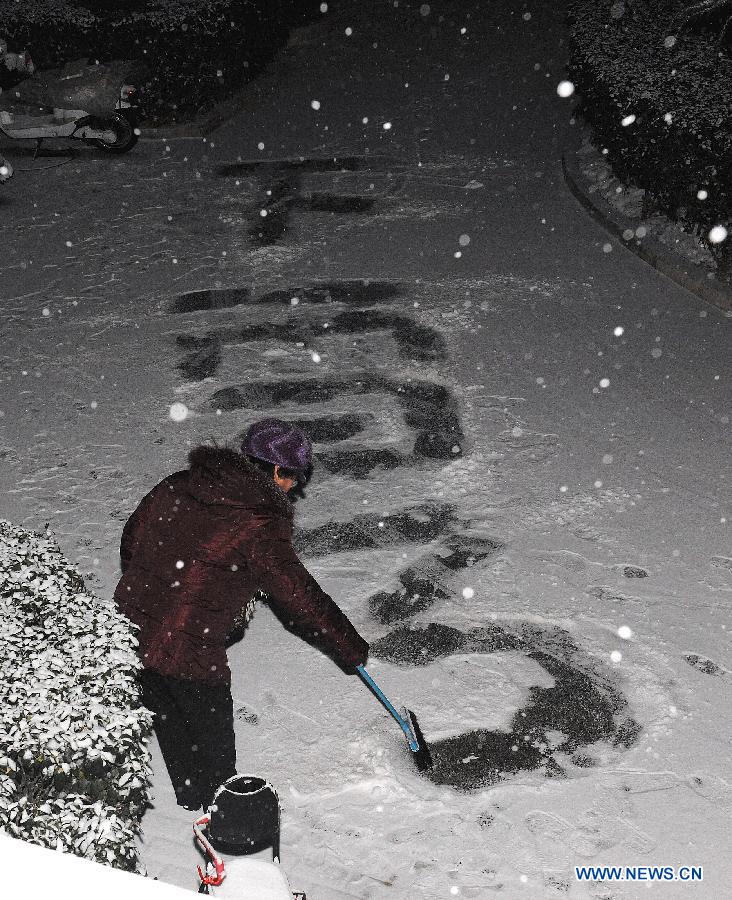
[
  {"x": 33, "y": 126},
  {"x": 61, "y": 116}
]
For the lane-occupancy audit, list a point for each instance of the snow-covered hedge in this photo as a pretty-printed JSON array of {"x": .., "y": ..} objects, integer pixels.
[
  {"x": 74, "y": 763},
  {"x": 658, "y": 97}
]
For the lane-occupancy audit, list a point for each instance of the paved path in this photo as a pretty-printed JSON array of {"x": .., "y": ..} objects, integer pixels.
[{"x": 437, "y": 302}]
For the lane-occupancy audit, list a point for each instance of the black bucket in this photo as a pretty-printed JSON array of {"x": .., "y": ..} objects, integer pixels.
[{"x": 245, "y": 816}]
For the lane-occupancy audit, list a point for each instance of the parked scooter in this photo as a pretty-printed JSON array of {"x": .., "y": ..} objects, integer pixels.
[{"x": 79, "y": 102}]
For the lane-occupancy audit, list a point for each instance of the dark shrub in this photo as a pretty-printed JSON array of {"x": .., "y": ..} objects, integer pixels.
[
  {"x": 628, "y": 60},
  {"x": 54, "y": 31},
  {"x": 197, "y": 51}
]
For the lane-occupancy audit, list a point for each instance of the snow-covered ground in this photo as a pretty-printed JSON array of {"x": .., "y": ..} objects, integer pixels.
[{"x": 591, "y": 487}]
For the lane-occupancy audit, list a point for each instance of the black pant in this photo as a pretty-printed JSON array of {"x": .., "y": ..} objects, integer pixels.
[{"x": 194, "y": 724}]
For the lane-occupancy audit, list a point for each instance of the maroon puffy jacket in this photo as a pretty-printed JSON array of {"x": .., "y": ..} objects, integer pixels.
[{"x": 197, "y": 548}]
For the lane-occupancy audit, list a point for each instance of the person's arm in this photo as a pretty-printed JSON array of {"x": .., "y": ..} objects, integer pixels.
[{"x": 296, "y": 595}]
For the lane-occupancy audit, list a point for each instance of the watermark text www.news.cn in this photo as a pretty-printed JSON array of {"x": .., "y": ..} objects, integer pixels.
[{"x": 639, "y": 873}]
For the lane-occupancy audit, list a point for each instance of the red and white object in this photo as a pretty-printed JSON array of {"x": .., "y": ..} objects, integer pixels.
[{"x": 240, "y": 877}]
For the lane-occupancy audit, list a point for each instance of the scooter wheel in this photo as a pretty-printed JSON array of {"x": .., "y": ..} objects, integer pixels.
[{"x": 125, "y": 136}]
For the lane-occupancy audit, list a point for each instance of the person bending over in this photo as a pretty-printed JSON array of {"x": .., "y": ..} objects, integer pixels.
[{"x": 193, "y": 554}]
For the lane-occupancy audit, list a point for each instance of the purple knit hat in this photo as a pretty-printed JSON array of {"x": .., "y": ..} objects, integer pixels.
[{"x": 281, "y": 443}]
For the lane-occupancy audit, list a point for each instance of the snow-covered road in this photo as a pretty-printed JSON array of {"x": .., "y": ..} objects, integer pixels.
[{"x": 523, "y": 433}]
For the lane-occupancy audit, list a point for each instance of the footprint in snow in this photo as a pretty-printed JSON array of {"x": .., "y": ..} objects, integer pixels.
[
  {"x": 563, "y": 559},
  {"x": 701, "y": 664},
  {"x": 608, "y": 595},
  {"x": 244, "y": 714},
  {"x": 634, "y": 572}
]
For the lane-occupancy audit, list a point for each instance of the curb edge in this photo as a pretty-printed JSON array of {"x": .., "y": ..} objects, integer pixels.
[{"x": 649, "y": 249}]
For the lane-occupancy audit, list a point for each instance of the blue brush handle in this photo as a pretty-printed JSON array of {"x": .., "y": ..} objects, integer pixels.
[{"x": 389, "y": 705}]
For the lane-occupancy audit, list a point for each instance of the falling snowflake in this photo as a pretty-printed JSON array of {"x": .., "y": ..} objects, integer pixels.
[
  {"x": 178, "y": 412},
  {"x": 625, "y": 632},
  {"x": 565, "y": 89},
  {"x": 718, "y": 234}
]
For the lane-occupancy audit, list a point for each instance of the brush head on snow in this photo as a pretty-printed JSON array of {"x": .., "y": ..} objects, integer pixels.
[{"x": 422, "y": 756}]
